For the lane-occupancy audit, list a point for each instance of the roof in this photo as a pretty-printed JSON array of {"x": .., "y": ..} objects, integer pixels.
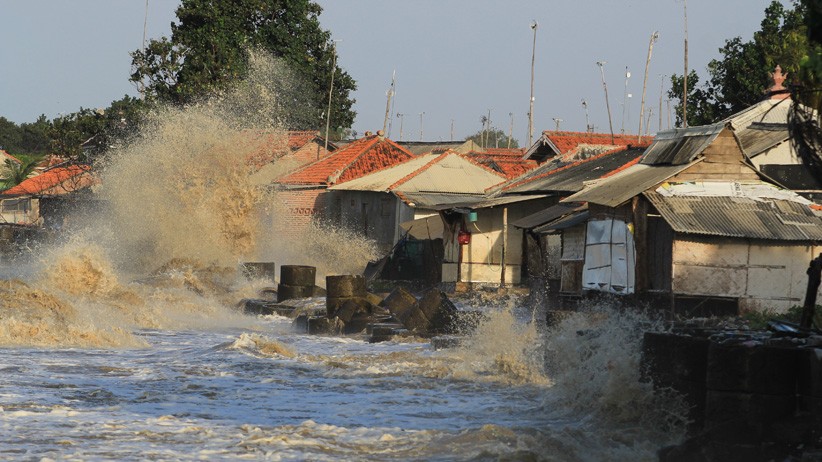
[
  {"x": 382, "y": 180},
  {"x": 55, "y": 181},
  {"x": 427, "y": 147},
  {"x": 359, "y": 158},
  {"x": 572, "y": 177},
  {"x": 6, "y": 156},
  {"x": 578, "y": 144},
  {"x": 548, "y": 215},
  {"x": 632, "y": 181},
  {"x": 435, "y": 200},
  {"x": 742, "y": 216},
  {"x": 565, "y": 222},
  {"x": 509, "y": 162},
  {"x": 759, "y": 137},
  {"x": 680, "y": 145},
  {"x": 449, "y": 173},
  {"x": 481, "y": 202}
]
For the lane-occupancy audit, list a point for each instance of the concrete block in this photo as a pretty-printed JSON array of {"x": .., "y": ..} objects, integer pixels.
[
  {"x": 346, "y": 286},
  {"x": 289, "y": 292},
  {"x": 298, "y": 275}
]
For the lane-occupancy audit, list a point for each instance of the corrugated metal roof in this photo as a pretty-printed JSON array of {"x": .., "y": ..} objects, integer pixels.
[
  {"x": 484, "y": 202},
  {"x": 759, "y": 137},
  {"x": 381, "y": 181},
  {"x": 768, "y": 111},
  {"x": 550, "y": 214},
  {"x": 450, "y": 173},
  {"x": 572, "y": 178},
  {"x": 681, "y": 145},
  {"x": 738, "y": 217},
  {"x": 426, "y": 200},
  {"x": 563, "y": 223},
  {"x": 624, "y": 185}
]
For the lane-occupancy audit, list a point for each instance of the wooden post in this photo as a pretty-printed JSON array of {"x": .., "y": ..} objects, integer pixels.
[
  {"x": 504, "y": 242},
  {"x": 814, "y": 273}
]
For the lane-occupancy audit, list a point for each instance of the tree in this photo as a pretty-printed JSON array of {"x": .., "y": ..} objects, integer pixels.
[
  {"x": 209, "y": 50},
  {"x": 741, "y": 77},
  {"x": 17, "y": 172},
  {"x": 805, "y": 121},
  {"x": 492, "y": 138},
  {"x": 28, "y": 138}
]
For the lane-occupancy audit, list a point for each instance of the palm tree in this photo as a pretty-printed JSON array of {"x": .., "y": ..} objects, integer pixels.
[{"x": 17, "y": 172}]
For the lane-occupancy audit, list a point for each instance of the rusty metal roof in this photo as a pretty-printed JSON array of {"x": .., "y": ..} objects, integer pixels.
[
  {"x": 436, "y": 201},
  {"x": 742, "y": 217},
  {"x": 480, "y": 202},
  {"x": 548, "y": 215},
  {"x": 680, "y": 145},
  {"x": 631, "y": 182}
]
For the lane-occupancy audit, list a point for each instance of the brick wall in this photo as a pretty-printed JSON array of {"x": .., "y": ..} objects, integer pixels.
[{"x": 297, "y": 208}]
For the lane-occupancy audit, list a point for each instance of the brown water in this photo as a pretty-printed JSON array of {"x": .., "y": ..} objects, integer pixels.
[{"x": 123, "y": 341}]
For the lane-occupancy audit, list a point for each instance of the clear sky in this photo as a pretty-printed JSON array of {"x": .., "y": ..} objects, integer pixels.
[{"x": 455, "y": 60}]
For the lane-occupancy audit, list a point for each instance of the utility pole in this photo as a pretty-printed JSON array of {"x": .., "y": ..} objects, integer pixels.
[
  {"x": 648, "y": 123},
  {"x": 601, "y": 65},
  {"x": 510, "y": 129},
  {"x": 668, "y": 102},
  {"x": 452, "y": 129},
  {"x": 588, "y": 127},
  {"x": 330, "y": 90},
  {"x": 625, "y": 99},
  {"x": 534, "y": 26},
  {"x": 401, "y": 116},
  {"x": 421, "y": 114},
  {"x": 654, "y": 38},
  {"x": 661, "y": 81},
  {"x": 685, "y": 75},
  {"x": 389, "y": 94},
  {"x": 557, "y": 121}
]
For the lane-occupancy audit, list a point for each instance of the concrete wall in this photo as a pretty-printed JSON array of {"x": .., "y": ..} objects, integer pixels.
[
  {"x": 376, "y": 215},
  {"x": 761, "y": 275}
]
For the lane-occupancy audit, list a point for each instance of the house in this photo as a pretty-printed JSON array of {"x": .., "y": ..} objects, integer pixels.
[
  {"x": 564, "y": 147},
  {"x": 407, "y": 199},
  {"x": 419, "y": 148},
  {"x": 693, "y": 226},
  {"x": 274, "y": 154},
  {"x": 301, "y": 195},
  {"x": 42, "y": 200}
]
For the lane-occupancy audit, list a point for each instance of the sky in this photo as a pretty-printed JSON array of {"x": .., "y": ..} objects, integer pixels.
[{"x": 454, "y": 61}]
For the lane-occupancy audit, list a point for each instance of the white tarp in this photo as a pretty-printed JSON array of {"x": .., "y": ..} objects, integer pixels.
[
  {"x": 758, "y": 191},
  {"x": 609, "y": 257}
]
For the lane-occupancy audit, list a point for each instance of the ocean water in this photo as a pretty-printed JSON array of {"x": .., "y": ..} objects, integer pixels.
[
  {"x": 157, "y": 371},
  {"x": 123, "y": 339}
]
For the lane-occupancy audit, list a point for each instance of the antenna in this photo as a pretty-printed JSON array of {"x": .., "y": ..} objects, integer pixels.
[
  {"x": 510, "y": 129},
  {"x": 601, "y": 65},
  {"x": 401, "y": 116},
  {"x": 588, "y": 127},
  {"x": 534, "y": 26},
  {"x": 654, "y": 38},
  {"x": 421, "y": 114},
  {"x": 661, "y": 82},
  {"x": 557, "y": 121},
  {"x": 625, "y": 99}
]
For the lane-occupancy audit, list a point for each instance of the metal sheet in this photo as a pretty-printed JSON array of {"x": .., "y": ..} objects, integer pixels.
[
  {"x": 572, "y": 178},
  {"x": 681, "y": 145},
  {"x": 631, "y": 182},
  {"x": 609, "y": 257},
  {"x": 739, "y": 217},
  {"x": 547, "y": 215}
]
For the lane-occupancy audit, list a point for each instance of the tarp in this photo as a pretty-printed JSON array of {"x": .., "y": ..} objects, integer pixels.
[{"x": 609, "y": 257}]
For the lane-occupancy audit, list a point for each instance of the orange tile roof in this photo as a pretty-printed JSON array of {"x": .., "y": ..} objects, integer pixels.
[
  {"x": 569, "y": 141},
  {"x": 516, "y": 152},
  {"x": 511, "y": 166},
  {"x": 296, "y": 139},
  {"x": 361, "y": 157},
  {"x": 52, "y": 182}
]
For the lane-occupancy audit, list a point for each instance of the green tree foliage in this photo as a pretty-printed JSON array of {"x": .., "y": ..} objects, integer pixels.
[
  {"x": 87, "y": 133},
  {"x": 209, "y": 50},
  {"x": 17, "y": 172},
  {"x": 743, "y": 74},
  {"x": 492, "y": 138},
  {"x": 27, "y": 138}
]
